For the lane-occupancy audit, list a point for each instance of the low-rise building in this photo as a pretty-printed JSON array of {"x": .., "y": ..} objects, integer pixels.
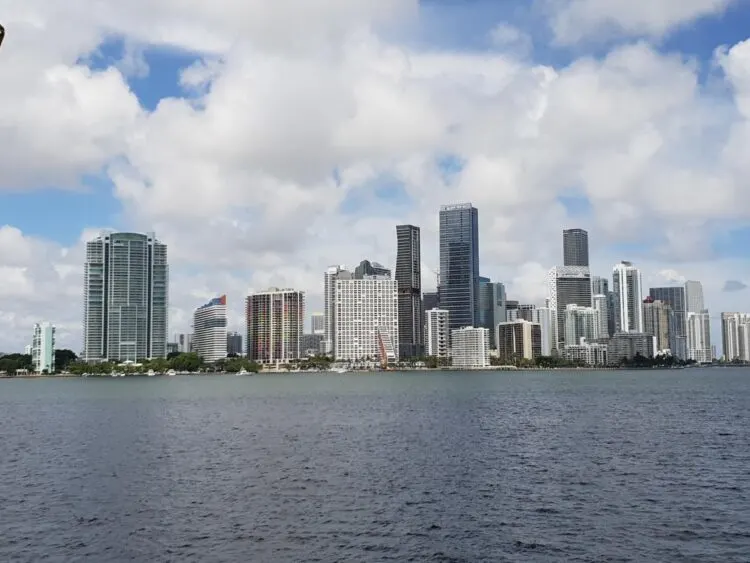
[
  {"x": 470, "y": 347},
  {"x": 625, "y": 346},
  {"x": 518, "y": 340}
]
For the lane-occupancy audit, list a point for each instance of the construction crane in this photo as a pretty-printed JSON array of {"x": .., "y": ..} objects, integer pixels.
[{"x": 2, "y": 34}]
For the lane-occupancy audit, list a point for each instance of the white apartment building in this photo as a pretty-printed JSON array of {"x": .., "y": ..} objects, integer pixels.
[
  {"x": 733, "y": 336},
  {"x": 581, "y": 322},
  {"x": 43, "y": 348},
  {"x": 365, "y": 318},
  {"x": 438, "y": 333},
  {"x": 470, "y": 347},
  {"x": 699, "y": 337},
  {"x": 600, "y": 302},
  {"x": 318, "y": 323},
  {"x": 210, "y": 330},
  {"x": 546, "y": 318},
  {"x": 591, "y": 354},
  {"x": 627, "y": 286},
  {"x": 275, "y": 322}
]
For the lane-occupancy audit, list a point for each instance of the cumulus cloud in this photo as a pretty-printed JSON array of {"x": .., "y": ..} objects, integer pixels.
[{"x": 303, "y": 136}]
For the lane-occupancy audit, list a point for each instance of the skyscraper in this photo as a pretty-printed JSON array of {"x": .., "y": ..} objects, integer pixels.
[
  {"x": 599, "y": 285},
  {"x": 438, "y": 334},
  {"x": 733, "y": 336},
  {"x": 409, "y": 283},
  {"x": 626, "y": 285},
  {"x": 674, "y": 297},
  {"x": 459, "y": 264},
  {"x": 694, "y": 296},
  {"x": 318, "y": 323},
  {"x": 329, "y": 307},
  {"x": 492, "y": 309},
  {"x": 234, "y": 344},
  {"x": 210, "y": 330},
  {"x": 567, "y": 285},
  {"x": 366, "y": 318},
  {"x": 601, "y": 304},
  {"x": 581, "y": 322},
  {"x": 699, "y": 337},
  {"x": 367, "y": 268},
  {"x": 575, "y": 247},
  {"x": 656, "y": 322},
  {"x": 125, "y": 298},
  {"x": 275, "y": 321},
  {"x": 43, "y": 348}
]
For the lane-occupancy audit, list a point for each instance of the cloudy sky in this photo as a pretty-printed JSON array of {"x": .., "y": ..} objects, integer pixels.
[{"x": 263, "y": 141}]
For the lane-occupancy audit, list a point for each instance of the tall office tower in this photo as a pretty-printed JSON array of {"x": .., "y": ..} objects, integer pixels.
[
  {"x": 367, "y": 268},
  {"x": 600, "y": 302},
  {"x": 366, "y": 319},
  {"x": 599, "y": 285},
  {"x": 626, "y": 285},
  {"x": 581, "y": 322},
  {"x": 459, "y": 264},
  {"x": 694, "y": 297},
  {"x": 567, "y": 285},
  {"x": 731, "y": 339},
  {"x": 743, "y": 337},
  {"x": 699, "y": 337},
  {"x": 329, "y": 307},
  {"x": 674, "y": 297},
  {"x": 430, "y": 300},
  {"x": 318, "y": 323},
  {"x": 184, "y": 342},
  {"x": 275, "y": 321},
  {"x": 43, "y": 348},
  {"x": 438, "y": 333},
  {"x": 409, "y": 282},
  {"x": 492, "y": 310},
  {"x": 210, "y": 330},
  {"x": 470, "y": 347},
  {"x": 656, "y": 322},
  {"x": 126, "y": 298},
  {"x": 575, "y": 247},
  {"x": 518, "y": 340},
  {"x": 234, "y": 344},
  {"x": 546, "y": 318}
]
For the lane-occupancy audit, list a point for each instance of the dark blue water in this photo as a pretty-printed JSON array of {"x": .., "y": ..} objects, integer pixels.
[{"x": 616, "y": 466}]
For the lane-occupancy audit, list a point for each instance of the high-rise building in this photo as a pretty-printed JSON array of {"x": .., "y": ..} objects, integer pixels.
[
  {"x": 546, "y": 318},
  {"x": 210, "y": 330},
  {"x": 438, "y": 333},
  {"x": 409, "y": 282},
  {"x": 581, "y": 323},
  {"x": 275, "y": 321},
  {"x": 367, "y": 268},
  {"x": 674, "y": 297},
  {"x": 459, "y": 264},
  {"x": 575, "y": 247},
  {"x": 491, "y": 306},
  {"x": 627, "y": 287},
  {"x": 366, "y": 319},
  {"x": 731, "y": 336},
  {"x": 234, "y": 344},
  {"x": 310, "y": 344},
  {"x": 743, "y": 335},
  {"x": 627, "y": 345},
  {"x": 518, "y": 340},
  {"x": 600, "y": 302},
  {"x": 470, "y": 347},
  {"x": 656, "y": 322},
  {"x": 184, "y": 342},
  {"x": 43, "y": 348},
  {"x": 318, "y": 323},
  {"x": 699, "y": 337},
  {"x": 694, "y": 297},
  {"x": 599, "y": 285},
  {"x": 329, "y": 307},
  {"x": 126, "y": 298},
  {"x": 430, "y": 300},
  {"x": 567, "y": 285}
]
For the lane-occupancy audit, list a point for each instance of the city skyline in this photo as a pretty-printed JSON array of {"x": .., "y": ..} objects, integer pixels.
[{"x": 543, "y": 125}]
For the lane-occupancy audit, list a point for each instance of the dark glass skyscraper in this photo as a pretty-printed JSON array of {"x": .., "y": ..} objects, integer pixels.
[
  {"x": 459, "y": 264},
  {"x": 575, "y": 247},
  {"x": 409, "y": 282}
]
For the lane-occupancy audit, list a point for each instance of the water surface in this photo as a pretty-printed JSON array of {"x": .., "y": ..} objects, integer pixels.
[{"x": 530, "y": 466}]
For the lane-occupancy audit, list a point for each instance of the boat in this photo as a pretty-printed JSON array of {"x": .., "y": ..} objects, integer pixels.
[
  {"x": 243, "y": 371},
  {"x": 171, "y": 372},
  {"x": 151, "y": 373},
  {"x": 339, "y": 370}
]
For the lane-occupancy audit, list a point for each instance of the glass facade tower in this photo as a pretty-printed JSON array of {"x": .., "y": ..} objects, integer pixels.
[{"x": 459, "y": 264}]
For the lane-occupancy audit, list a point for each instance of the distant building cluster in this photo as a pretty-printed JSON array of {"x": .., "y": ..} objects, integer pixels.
[{"x": 371, "y": 314}]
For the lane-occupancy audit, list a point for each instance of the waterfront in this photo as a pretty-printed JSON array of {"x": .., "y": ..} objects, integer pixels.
[{"x": 496, "y": 466}]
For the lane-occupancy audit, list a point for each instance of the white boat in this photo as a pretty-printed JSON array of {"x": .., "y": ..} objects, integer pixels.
[
  {"x": 243, "y": 371},
  {"x": 114, "y": 375},
  {"x": 171, "y": 372},
  {"x": 151, "y": 373},
  {"x": 339, "y": 370}
]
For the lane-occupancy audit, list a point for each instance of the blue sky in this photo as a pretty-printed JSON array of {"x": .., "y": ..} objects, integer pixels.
[{"x": 443, "y": 25}]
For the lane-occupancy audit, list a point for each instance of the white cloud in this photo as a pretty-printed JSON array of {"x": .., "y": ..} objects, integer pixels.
[
  {"x": 575, "y": 20},
  {"x": 238, "y": 176}
]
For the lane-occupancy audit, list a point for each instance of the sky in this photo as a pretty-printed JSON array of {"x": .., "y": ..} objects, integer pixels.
[{"x": 264, "y": 141}]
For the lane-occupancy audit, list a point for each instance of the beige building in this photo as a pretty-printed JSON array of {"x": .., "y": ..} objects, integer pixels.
[{"x": 518, "y": 340}]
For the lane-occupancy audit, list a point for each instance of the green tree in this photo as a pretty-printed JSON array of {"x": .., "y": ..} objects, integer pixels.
[
  {"x": 63, "y": 359},
  {"x": 189, "y": 361}
]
